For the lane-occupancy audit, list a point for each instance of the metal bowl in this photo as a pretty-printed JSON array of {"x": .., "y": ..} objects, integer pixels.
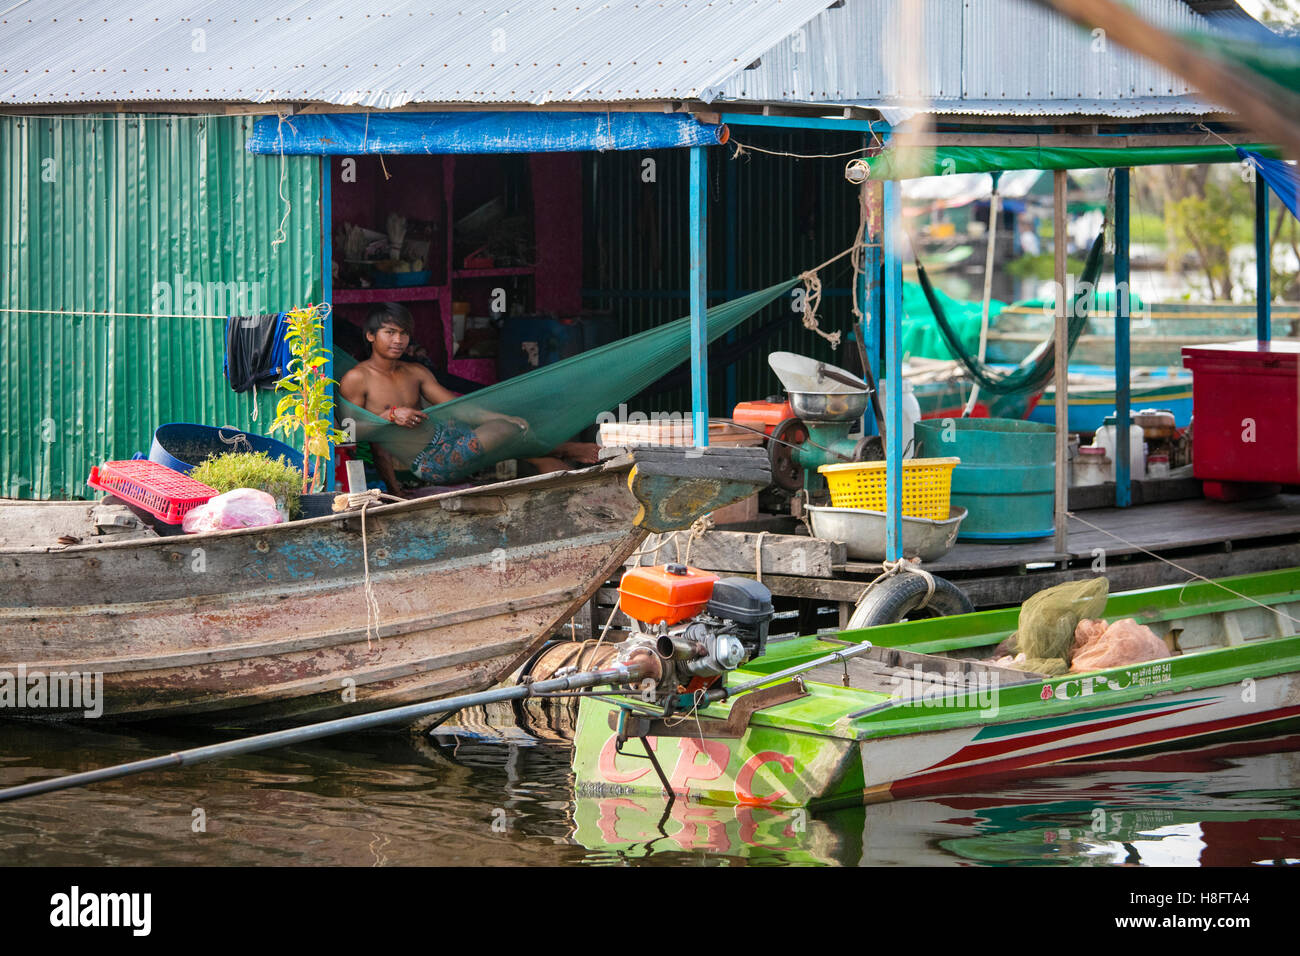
[
  {"x": 863, "y": 532},
  {"x": 829, "y": 406}
]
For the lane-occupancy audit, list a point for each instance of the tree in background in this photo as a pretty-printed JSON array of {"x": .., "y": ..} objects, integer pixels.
[{"x": 1281, "y": 15}]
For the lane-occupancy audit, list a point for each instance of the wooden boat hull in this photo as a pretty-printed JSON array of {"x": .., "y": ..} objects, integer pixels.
[
  {"x": 269, "y": 624},
  {"x": 1089, "y": 404},
  {"x": 1159, "y": 331},
  {"x": 1239, "y": 671}
]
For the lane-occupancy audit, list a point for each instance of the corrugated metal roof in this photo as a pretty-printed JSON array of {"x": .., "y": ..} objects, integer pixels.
[
  {"x": 980, "y": 56},
  {"x": 363, "y": 53}
]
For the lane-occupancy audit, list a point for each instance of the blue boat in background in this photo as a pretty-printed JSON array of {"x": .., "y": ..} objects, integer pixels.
[{"x": 1092, "y": 396}]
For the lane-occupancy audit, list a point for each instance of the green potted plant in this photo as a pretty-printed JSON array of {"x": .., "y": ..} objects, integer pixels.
[
  {"x": 275, "y": 476},
  {"x": 308, "y": 406}
]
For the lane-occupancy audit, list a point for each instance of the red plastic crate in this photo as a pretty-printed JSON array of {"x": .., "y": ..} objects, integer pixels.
[
  {"x": 1244, "y": 395},
  {"x": 163, "y": 492}
]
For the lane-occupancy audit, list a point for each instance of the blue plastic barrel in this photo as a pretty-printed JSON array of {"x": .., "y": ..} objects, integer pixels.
[
  {"x": 1007, "y": 477},
  {"x": 181, "y": 445}
]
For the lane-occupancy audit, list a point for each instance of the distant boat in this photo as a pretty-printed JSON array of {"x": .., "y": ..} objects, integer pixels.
[
  {"x": 1092, "y": 396},
  {"x": 942, "y": 392},
  {"x": 1158, "y": 331}
]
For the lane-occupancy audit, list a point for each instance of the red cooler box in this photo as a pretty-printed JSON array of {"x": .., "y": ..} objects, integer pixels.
[{"x": 1246, "y": 401}]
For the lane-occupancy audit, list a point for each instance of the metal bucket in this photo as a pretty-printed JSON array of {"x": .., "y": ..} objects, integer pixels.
[
  {"x": 863, "y": 532},
  {"x": 1007, "y": 475}
]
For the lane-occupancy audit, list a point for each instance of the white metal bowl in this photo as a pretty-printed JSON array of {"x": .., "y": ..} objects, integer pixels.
[{"x": 863, "y": 532}]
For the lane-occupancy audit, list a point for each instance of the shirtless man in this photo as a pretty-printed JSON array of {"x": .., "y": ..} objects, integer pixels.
[{"x": 393, "y": 389}]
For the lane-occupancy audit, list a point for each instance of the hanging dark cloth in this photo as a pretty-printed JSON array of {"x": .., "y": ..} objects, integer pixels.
[{"x": 256, "y": 352}]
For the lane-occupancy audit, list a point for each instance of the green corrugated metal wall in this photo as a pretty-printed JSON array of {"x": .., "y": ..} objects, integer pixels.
[
  {"x": 99, "y": 213},
  {"x": 790, "y": 214}
]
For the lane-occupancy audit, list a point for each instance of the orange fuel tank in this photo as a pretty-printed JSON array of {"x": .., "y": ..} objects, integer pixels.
[{"x": 670, "y": 593}]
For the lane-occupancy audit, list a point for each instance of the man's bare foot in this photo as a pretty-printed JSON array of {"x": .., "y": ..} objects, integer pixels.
[{"x": 583, "y": 452}]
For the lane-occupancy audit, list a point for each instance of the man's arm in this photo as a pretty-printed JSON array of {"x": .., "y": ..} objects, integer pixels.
[
  {"x": 430, "y": 391},
  {"x": 353, "y": 387}
]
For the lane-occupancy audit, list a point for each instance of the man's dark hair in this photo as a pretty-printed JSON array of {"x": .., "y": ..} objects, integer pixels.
[{"x": 390, "y": 312}]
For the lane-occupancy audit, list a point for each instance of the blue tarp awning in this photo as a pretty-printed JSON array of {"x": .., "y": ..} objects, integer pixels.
[
  {"x": 1280, "y": 176},
  {"x": 351, "y": 134}
]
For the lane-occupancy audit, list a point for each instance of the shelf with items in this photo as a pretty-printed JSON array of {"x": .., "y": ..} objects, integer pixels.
[
  {"x": 414, "y": 293},
  {"x": 494, "y": 273}
]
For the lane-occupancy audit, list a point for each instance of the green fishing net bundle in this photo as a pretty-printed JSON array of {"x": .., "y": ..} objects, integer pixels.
[
  {"x": 529, "y": 415},
  {"x": 1048, "y": 621}
]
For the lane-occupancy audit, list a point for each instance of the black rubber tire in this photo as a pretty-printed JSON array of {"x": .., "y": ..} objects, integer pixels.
[{"x": 899, "y": 598}]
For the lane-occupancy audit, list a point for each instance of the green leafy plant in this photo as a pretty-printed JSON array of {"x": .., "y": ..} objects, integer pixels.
[
  {"x": 276, "y": 477},
  {"x": 1041, "y": 266},
  {"x": 308, "y": 406}
]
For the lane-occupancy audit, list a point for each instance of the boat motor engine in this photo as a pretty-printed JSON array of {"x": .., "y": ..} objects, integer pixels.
[{"x": 700, "y": 626}]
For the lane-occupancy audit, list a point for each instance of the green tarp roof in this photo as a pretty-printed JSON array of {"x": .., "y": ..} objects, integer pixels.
[{"x": 944, "y": 160}]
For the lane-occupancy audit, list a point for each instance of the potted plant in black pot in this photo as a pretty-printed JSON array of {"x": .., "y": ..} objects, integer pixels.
[{"x": 308, "y": 406}]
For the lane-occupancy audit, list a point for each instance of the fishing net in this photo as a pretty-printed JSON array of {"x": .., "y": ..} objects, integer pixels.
[
  {"x": 1049, "y": 618},
  {"x": 529, "y": 415},
  {"x": 922, "y": 337},
  {"x": 1034, "y": 374}
]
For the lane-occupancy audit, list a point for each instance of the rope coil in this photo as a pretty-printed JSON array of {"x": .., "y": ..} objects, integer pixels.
[{"x": 901, "y": 566}]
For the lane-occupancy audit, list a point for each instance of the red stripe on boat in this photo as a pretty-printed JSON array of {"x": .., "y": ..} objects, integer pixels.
[
  {"x": 910, "y": 786},
  {"x": 1008, "y": 744}
]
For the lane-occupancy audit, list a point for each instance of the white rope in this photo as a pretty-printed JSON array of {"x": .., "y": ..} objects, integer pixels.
[
  {"x": 1172, "y": 564},
  {"x": 280, "y": 235},
  {"x": 363, "y": 500},
  {"x": 813, "y": 290},
  {"x": 699, "y": 527},
  {"x": 115, "y": 315},
  {"x": 324, "y": 308},
  {"x": 892, "y": 568},
  {"x": 372, "y": 603},
  {"x": 758, "y": 556},
  {"x": 742, "y": 149}
]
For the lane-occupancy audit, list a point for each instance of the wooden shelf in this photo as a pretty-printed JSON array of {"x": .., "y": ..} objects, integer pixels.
[
  {"x": 493, "y": 273},
  {"x": 410, "y": 293}
]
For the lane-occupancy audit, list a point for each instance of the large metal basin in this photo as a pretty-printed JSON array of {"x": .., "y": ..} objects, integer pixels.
[
  {"x": 829, "y": 406},
  {"x": 864, "y": 532}
]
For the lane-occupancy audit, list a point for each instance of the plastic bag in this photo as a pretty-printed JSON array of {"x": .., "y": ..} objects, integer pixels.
[
  {"x": 1124, "y": 642},
  {"x": 241, "y": 508}
]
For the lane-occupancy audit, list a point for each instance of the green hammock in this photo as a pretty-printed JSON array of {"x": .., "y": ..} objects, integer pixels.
[
  {"x": 529, "y": 415},
  {"x": 1036, "y": 371}
]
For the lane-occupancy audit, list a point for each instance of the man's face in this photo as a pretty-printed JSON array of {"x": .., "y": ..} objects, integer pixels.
[{"x": 390, "y": 341}]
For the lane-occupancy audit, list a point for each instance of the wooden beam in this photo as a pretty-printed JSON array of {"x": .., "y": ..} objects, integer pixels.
[
  {"x": 734, "y": 551},
  {"x": 1081, "y": 141}
]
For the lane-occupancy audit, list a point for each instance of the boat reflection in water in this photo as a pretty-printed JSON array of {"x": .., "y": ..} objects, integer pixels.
[{"x": 1227, "y": 805}]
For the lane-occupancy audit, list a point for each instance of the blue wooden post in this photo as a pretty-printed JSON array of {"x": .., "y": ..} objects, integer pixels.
[
  {"x": 893, "y": 372},
  {"x": 1123, "y": 466},
  {"x": 733, "y": 238},
  {"x": 327, "y": 292},
  {"x": 699, "y": 290},
  {"x": 1263, "y": 260}
]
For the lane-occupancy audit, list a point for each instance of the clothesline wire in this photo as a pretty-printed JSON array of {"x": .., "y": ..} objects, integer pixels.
[{"x": 324, "y": 306}]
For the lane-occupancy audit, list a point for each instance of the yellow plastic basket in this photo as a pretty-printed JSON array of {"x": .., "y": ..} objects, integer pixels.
[{"x": 927, "y": 483}]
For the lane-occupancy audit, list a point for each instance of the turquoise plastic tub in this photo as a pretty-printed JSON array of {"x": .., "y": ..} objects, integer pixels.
[{"x": 1007, "y": 477}]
